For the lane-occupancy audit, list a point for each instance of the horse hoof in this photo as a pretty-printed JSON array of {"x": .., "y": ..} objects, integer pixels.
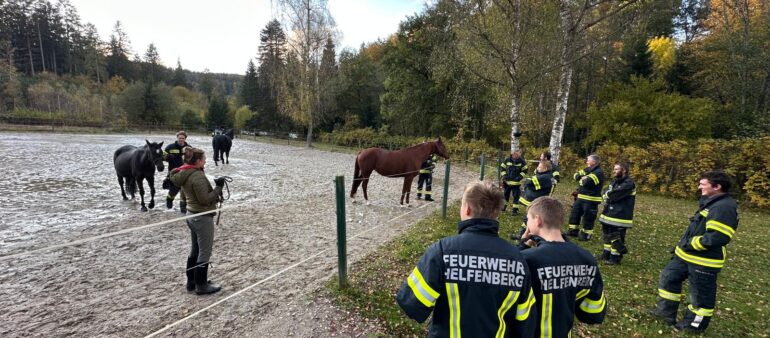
[
  {"x": 144, "y": 209},
  {"x": 152, "y": 205},
  {"x": 125, "y": 198}
]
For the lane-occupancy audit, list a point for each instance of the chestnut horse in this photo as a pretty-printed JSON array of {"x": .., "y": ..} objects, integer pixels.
[{"x": 400, "y": 163}]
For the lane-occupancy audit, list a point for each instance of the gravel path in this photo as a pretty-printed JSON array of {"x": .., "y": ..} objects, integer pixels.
[{"x": 273, "y": 249}]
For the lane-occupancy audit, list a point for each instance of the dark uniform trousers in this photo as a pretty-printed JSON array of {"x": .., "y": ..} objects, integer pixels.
[
  {"x": 512, "y": 193},
  {"x": 426, "y": 179},
  {"x": 587, "y": 210},
  {"x": 702, "y": 289}
]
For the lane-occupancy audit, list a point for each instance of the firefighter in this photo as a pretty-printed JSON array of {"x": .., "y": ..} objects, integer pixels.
[
  {"x": 475, "y": 283},
  {"x": 538, "y": 185},
  {"x": 565, "y": 277},
  {"x": 587, "y": 199},
  {"x": 699, "y": 256},
  {"x": 426, "y": 177},
  {"x": 618, "y": 214},
  {"x": 554, "y": 169},
  {"x": 514, "y": 168},
  {"x": 173, "y": 155}
]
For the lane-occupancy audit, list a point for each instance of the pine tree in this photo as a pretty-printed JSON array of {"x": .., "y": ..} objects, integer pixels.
[
  {"x": 119, "y": 49},
  {"x": 272, "y": 58},
  {"x": 179, "y": 78},
  {"x": 152, "y": 66},
  {"x": 219, "y": 112},
  {"x": 249, "y": 87}
]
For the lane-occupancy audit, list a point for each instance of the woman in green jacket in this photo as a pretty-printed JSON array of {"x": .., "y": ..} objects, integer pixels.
[{"x": 200, "y": 198}]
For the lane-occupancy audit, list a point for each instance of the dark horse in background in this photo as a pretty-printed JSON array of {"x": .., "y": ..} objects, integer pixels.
[
  {"x": 400, "y": 163},
  {"x": 136, "y": 164},
  {"x": 221, "y": 143}
]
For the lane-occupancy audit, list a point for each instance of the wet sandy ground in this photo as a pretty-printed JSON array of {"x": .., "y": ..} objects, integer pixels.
[{"x": 279, "y": 239}]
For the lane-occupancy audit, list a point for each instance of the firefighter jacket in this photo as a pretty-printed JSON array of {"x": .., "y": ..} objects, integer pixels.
[
  {"x": 514, "y": 170},
  {"x": 536, "y": 186},
  {"x": 428, "y": 165},
  {"x": 174, "y": 155},
  {"x": 554, "y": 172},
  {"x": 590, "y": 188},
  {"x": 710, "y": 229},
  {"x": 567, "y": 285},
  {"x": 475, "y": 283},
  {"x": 619, "y": 199}
]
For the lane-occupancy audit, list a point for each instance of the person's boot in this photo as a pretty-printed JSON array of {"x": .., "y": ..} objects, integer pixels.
[
  {"x": 665, "y": 310},
  {"x": 604, "y": 256},
  {"x": 169, "y": 203},
  {"x": 573, "y": 232},
  {"x": 584, "y": 237},
  {"x": 429, "y": 198},
  {"x": 190, "y": 272},
  {"x": 619, "y": 247},
  {"x": 614, "y": 260},
  {"x": 183, "y": 207},
  {"x": 419, "y": 196},
  {"x": 202, "y": 285}
]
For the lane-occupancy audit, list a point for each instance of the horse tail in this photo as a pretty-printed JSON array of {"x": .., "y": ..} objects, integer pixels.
[
  {"x": 131, "y": 185},
  {"x": 357, "y": 170}
]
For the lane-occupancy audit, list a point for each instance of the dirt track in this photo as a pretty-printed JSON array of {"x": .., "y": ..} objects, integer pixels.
[{"x": 62, "y": 188}]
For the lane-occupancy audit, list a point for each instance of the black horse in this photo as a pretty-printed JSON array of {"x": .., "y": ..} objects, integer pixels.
[
  {"x": 221, "y": 144},
  {"x": 137, "y": 164}
]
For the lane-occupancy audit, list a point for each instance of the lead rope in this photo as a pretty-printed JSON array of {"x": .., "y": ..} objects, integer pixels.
[{"x": 222, "y": 197}]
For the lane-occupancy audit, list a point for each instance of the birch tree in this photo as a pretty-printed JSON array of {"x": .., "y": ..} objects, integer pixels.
[{"x": 311, "y": 24}]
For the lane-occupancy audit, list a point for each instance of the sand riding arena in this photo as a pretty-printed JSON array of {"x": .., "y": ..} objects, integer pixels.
[{"x": 76, "y": 260}]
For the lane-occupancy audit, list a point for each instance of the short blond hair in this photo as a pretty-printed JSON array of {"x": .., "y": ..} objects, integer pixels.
[
  {"x": 484, "y": 198},
  {"x": 549, "y": 210}
]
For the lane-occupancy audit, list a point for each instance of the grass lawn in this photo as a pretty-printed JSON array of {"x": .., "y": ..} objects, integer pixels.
[{"x": 742, "y": 296}]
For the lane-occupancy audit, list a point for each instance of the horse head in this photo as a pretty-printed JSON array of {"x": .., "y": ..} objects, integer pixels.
[
  {"x": 440, "y": 148},
  {"x": 230, "y": 133},
  {"x": 155, "y": 152}
]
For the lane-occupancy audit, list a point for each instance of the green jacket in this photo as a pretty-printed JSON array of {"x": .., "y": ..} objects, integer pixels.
[{"x": 196, "y": 189}]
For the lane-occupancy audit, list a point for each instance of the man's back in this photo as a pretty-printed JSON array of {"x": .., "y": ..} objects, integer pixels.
[
  {"x": 567, "y": 284},
  {"x": 470, "y": 282}
]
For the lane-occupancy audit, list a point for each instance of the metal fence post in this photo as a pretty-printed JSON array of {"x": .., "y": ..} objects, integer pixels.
[
  {"x": 481, "y": 176},
  {"x": 342, "y": 259},
  {"x": 446, "y": 190}
]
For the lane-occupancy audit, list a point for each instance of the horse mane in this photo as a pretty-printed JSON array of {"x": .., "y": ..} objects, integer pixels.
[{"x": 416, "y": 145}]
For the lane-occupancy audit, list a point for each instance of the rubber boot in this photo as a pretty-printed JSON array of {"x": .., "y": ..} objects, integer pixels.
[
  {"x": 202, "y": 285},
  {"x": 604, "y": 256},
  {"x": 619, "y": 246},
  {"x": 183, "y": 207},
  {"x": 428, "y": 198},
  {"x": 665, "y": 310},
  {"x": 190, "y": 272},
  {"x": 573, "y": 232},
  {"x": 584, "y": 237},
  {"x": 614, "y": 259},
  {"x": 169, "y": 203}
]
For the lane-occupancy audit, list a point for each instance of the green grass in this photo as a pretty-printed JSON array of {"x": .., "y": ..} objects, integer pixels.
[{"x": 742, "y": 296}]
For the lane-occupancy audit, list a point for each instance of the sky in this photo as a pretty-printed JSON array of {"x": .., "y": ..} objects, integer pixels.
[{"x": 222, "y": 36}]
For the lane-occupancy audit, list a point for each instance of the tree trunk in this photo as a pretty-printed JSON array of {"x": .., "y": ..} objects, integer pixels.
[
  {"x": 40, "y": 38},
  {"x": 515, "y": 85},
  {"x": 565, "y": 79},
  {"x": 31, "y": 61}
]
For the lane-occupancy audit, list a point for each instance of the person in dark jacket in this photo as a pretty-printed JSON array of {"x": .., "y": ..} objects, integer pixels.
[
  {"x": 475, "y": 283},
  {"x": 513, "y": 168},
  {"x": 538, "y": 185},
  {"x": 173, "y": 155},
  {"x": 426, "y": 177},
  {"x": 618, "y": 214},
  {"x": 200, "y": 198},
  {"x": 699, "y": 256},
  {"x": 554, "y": 169},
  {"x": 587, "y": 199},
  {"x": 567, "y": 282}
]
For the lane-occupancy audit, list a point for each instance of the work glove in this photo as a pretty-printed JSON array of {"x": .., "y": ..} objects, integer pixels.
[{"x": 219, "y": 181}]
